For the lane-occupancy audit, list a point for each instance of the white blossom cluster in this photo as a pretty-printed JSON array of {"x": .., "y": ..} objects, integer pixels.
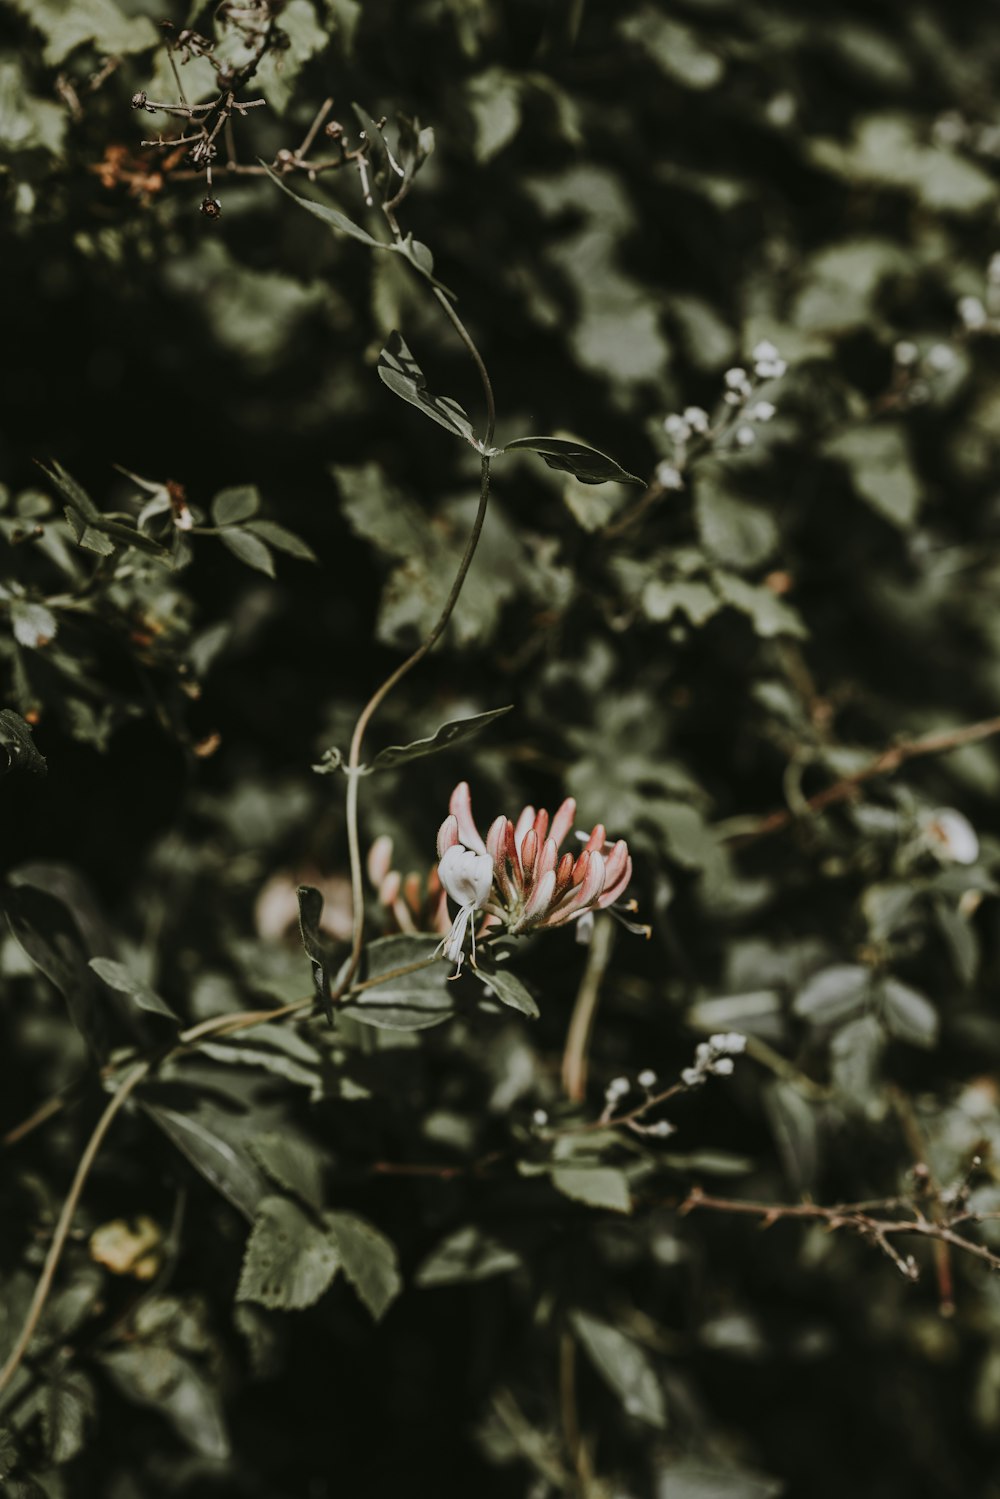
[
  {"x": 693, "y": 423},
  {"x": 714, "y": 1057}
]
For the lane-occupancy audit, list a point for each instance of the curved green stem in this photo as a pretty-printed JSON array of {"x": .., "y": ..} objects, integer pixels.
[{"x": 381, "y": 693}]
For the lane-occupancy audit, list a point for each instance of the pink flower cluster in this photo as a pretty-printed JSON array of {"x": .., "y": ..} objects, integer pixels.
[{"x": 516, "y": 875}]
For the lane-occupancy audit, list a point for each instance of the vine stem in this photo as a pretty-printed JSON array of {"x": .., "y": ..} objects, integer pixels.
[
  {"x": 128, "y": 1086},
  {"x": 427, "y": 645},
  {"x": 581, "y": 1025}
]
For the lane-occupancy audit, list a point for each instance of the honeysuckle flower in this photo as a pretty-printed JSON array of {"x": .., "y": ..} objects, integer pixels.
[
  {"x": 467, "y": 876},
  {"x": 415, "y": 904},
  {"x": 529, "y": 884}
]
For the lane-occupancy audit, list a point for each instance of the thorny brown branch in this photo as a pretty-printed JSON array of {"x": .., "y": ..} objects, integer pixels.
[{"x": 862, "y": 1218}]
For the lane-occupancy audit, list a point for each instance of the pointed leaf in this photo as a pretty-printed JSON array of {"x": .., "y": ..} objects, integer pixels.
[
  {"x": 223, "y": 1163},
  {"x": 34, "y": 626},
  {"x": 401, "y": 372},
  {"x": 289, "y": 1261},
  {"x": 155, "y": 1375},
  {"x": 283, "y": 539},
  {"x": 249, "y": 549},
  {"x": 48, "y": 933},
  {"x": 70, "y": 490},
  {"x": 834, "y": 994},
  {"x": 624, "y": 1366},
  {"x": 310, "y": 911},
  {"x": 446, "y": 737},
  {"x": 290, "y": 1166},
  {"x": 576, "y": 458},
  {"x": 909, "y": 1014},
  {"x": 466, "y": 1255},
  {"x": 16, "y": 738},
  {"x": 236, "y": 504},
  {"x": 597, "y": 1186},
  {"x": 329, "y": 216},
  {"x": 409, "y": 1003},
  {"x": 507, "y": 988},
  {"x": 118, "y": 977},
  {"x": 367, "y": 1258}
]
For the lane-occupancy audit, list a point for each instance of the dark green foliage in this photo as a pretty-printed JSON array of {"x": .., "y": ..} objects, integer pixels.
[{"x": 392, "y": 1254}]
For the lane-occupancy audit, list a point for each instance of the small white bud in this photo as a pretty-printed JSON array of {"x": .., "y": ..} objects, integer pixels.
[
  {"x": 941, "y": 358},
  {"x": 906, "y": 352},
  {"x": 669, "y": 476},
  {"x": 733, "y": 398},
  {"x": 662, "y": 1128},
  {"x": 951, "y": 836},
  {"x": 697, "y": 419},
  {"x": 676, "y": 427},
  {"x": 765, "y": 350},
  {"x": 770, "y": 369},
  {"x": 745, "y": 437},
  {"x": 732, "y": 1042},
  {"x": 761, "y": 411},
  {"x": 617, "y": 1088},
  {"x": 692, "y": 1076},
  {"x": 647, "y": 1078},
  {"x": 737, "y": 379},
  {"x": 724, "y": 1066},
  {"x": 972, "y": 312},
  {"x": 539, "y": 1117}
]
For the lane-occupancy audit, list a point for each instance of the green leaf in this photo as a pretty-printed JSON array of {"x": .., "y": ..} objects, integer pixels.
[
  {"x": 881, "y": 467},
  {"x": 289, "y": 1262},
  {"x": 310, "y": 911},
  {"x": 249, "y": 549},
  {"x": 584, "y": 463},
  {"x": 17, "y": 740},
  {"x": 413, "y": 1002},
  {"x": 332, "y": 217},
  {"x": 283, "y": 539},
  {"x": 48, "y": 933},
  {"x": 154, "y": 1375},
  {"x": 8, "y": 1454},
  {"x": 69, "y": 1405},
  {"x": 224, "y": 1163},
  {"x": 78, "y": 497},
  {"x": 101, "y": 22},
  {"x": 736, "y": 533},
  {"x": 795, "y": 1126},
  {"x": 446, "y": 737},
  {"x": 399, "y": 370},
  {"x": 87, "y": 537},
  {"x": 834, "y": 994},
  {"x": 367, "y": 1258},
  {"x": 908, "y": 1014},
  {"x": 233, "y": 505},
  {"x": 597, "y": 1186},
  {"x": 118, "y": 977},
  {"x": 624, "y": 1366},
  {"x": 293, "y": 1167},
  {"x": 34, "y": 626},
  {"x": 507, "y": 988},
  {"x": 466, "y": 1255}
]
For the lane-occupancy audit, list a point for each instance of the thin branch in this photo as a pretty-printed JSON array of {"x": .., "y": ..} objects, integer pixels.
[
  {"x": 883, "y": 764},
  {"x": 127, "y": 1086},
  {"x": 581, "y": 1025},
  {"x": 858, "y": 1217}
]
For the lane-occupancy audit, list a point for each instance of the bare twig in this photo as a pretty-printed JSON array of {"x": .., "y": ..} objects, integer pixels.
[
  {"x": 859, "y": 1218},
  {"x": 883, "y": 764}
]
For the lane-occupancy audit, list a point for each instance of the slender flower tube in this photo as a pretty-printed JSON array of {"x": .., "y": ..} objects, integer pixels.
[{"x": 530, "y": 884}]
